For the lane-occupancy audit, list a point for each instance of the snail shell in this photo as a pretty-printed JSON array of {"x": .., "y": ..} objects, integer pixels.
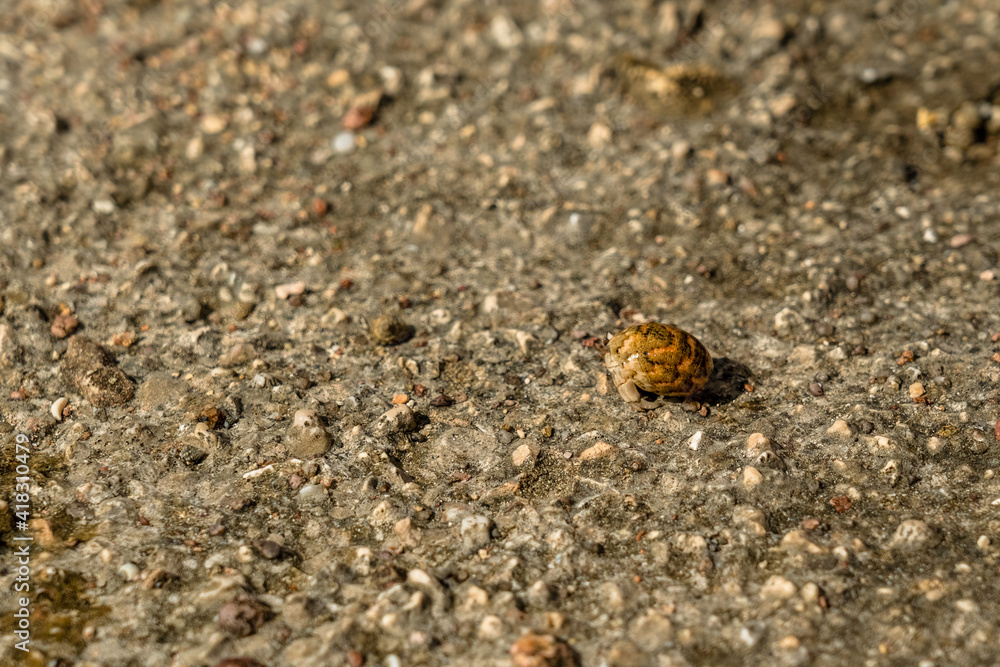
[{"x": 657, "y": 359}]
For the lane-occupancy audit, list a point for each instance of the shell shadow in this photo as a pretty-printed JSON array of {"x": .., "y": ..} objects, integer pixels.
[{"x": 728, "y": 381}]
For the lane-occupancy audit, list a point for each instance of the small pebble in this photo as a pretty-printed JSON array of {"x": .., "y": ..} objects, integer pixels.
[
  {"x": 751, "y": 477},
  {"x": 269, "y": 549},
  {"x": 312, "y": 493},
  {"x": 98, "y": 379},
  {"x": 695, "y": 441},
  {"x": 475, "y": 531},
  {"x": 778, "y": 588},
  {"x": 816, "y": 389},
  {"x": 399, "y": 419},
  {"x": 344, "y": 142},
  {"x": 213, "y": 124},
  {"x": 914, "y": 534},
  {"x": 289, "y": 289},
  {"x": 601, "y": 450},
  {"x": 521, "y": 454},
  {"x": 840, "y": 429},
  {"x": 64, "y": 325},
  {"x": 242, "y": 616},
  {"x": 306, "y": 437}
]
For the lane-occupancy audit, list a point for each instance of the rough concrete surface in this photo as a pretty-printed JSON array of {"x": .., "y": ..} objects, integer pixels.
[{"x": 303, "y": 308}]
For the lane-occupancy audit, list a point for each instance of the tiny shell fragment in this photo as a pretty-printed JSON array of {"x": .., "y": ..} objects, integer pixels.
[{"x": 57, "y": 407}]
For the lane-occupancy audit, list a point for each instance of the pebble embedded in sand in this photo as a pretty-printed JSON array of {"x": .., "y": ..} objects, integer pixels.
[
  {"x": 289, "y": 289},
  {"x": 399, "y": 419},
  {"x": 306, "y": 436},
  {"x": 101, "y": 382}
]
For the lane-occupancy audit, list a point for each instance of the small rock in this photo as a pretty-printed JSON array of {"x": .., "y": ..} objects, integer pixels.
[
  {"x": 239, "y": 354},
  {"x": 977, "y": 441},
  {"x": 778, "y": 588},
  {"x": 312, "y": 493},
  {"x": 243, "y": 616},
  {"x": 840, "y": 503},
  {"x": 914, "y": 534},
  {"x": 521, "y": 454},
  {"x": 601, "y": 450},
  {"x": 408, "y": 535},
  {"x": 758, "y": 442},
  {"x": 695, "y": 440},
  {"x": 475, "y": 532},
  {"x": 960, "y": 240},
  {"x": 840, "y": 429},
  {"x": 213, "y": 123},
  {"x": 751, "y": 477},
  {"x": 344, "y": 142},
  {"x": 916, "y": 392},
  {"x": 533, "y": 650},
  {"x": 306, "y": 436},
  {"x": 399, "y": 419},
  {"x": 64, "y": 325},
  {"x": 100, "y": 382},
  {"x": 103, "y": 206},
  {"x": 269, "y": 549},
  {"x": 289, "y": 289}
]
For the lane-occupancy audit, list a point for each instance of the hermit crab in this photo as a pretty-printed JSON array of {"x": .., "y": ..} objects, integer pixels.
[{"x": 650, "y": 362}]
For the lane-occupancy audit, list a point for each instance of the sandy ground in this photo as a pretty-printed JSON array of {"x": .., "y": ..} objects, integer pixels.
[{"x": 325, "y": 289}]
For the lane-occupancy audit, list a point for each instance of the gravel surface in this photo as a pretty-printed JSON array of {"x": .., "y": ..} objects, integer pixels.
[{"x": 303, "y": 305}]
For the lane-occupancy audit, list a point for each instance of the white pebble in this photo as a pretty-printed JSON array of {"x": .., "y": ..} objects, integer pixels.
[
  {"x": 344, "y": 142},
  {"x": 696, "y": 440},
  {"x": 258, "y": 472},
  {"x": 103, "y": 206},
  {"x": 312, "y": 492},
  {"x": 287, "y": 290},
  {"x": 257, "y": 46}
]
